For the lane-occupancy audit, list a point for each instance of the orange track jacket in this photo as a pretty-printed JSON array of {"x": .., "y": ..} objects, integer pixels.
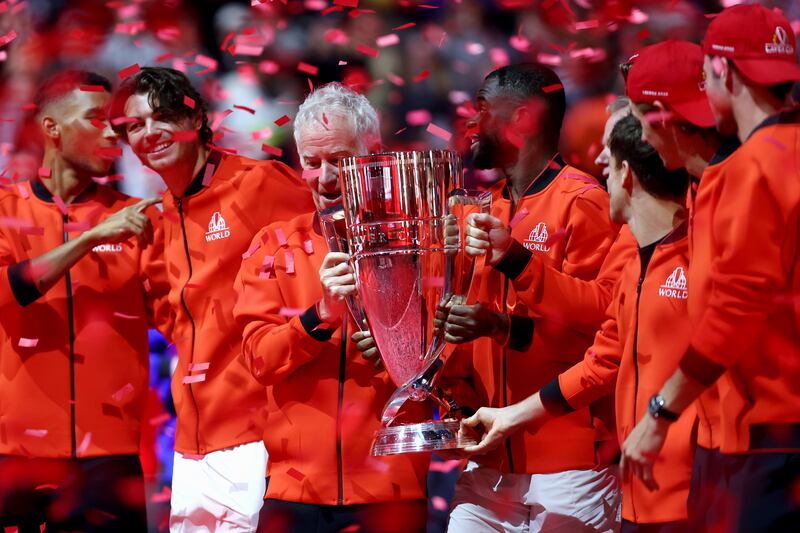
[
  {"x": 325, "y": 399},
  {"x": 218, "y": 402},
  {"x": 74, "y": 361},
  {"x": 745, "y": 271},
  {"x": 562, "y": 219}
]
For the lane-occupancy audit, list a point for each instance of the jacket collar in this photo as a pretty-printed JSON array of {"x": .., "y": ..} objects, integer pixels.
[
  {"x": 784, "y": 116},
  {"x": 540, "y": 182},
  {"x": 196, "y": 185},
  {"x": 43, "y": 193}
]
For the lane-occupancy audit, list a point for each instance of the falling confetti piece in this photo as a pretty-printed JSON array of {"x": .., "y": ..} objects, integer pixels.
[
  {"x": 311, "y": 173},
  {"x": 281, "y": 236},
  {"x": 282, "y": 120},
  {"x": 387, "y": 40},
  {"x": 418, "y": 117},
  {"x": 421, "y": 76},
  {"x": 84, "y": 445},
  {"x": 308, "y": 247},
  {"x": 438, "y": 131},
  {"x": 123, "y": 392},
  {"x": 46, "y": 486},
  {"x": 198, "y": 366},
  {"x": 288, "y": 256},
  {"x": 290, "y": 311},
  {"x": 439, "y": 503},
  {"x": 239, "y": 49},
  {"x": 160, "y": 419},
  {"x": 272, "y": 150},
  {"x": 129, "y": 71},
  {"x": 306, "y": 68},
  {"x": 552, "y": 88},
  {"x": 8, "y": 37},
  {"x": 445, "y": 466},
  {"x": 250, "y": 251},
  {"x": 299, "y": 476},
  {"x": 162, "y": 497},
  {"x": 209, "y": 173},
  {"x": 405, "y": 26},
  {"x": 367, "y": 50},
  {"x": 244, "y": 108},
  {"x": 187, "y": 380},
  {"x": 38, "y": 433},
  {"x": 92, "y": 88},
  {"x": 188, "y": 102},
  {"x": 351, "y": 528},
  {"x": 346, "y": 3},
  {"x": 522, "y": 213}
]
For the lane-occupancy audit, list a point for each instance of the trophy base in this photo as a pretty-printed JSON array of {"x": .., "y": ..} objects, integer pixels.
[{"x": 422, "y": 437}]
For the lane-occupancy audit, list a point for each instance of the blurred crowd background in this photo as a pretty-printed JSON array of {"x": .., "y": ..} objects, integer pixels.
[{"x": 420, "y": 62}]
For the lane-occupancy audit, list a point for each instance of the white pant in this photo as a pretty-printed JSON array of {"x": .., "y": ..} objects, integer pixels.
[
  {"x": 219, "y": 492},
  {"x": 564, "y": 502}
]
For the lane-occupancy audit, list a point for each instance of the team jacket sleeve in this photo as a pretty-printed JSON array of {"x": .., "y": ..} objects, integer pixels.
[
  {"x": 755, "y": 229},
  {"x": 590, "y": 379},
  {"x": 578, "y": 302},
  {"x": 16, "y": 285},
  {"x": 153, "y": 275},
  {"x": 273, "y": 345},
  {"x": 288, "y": 196}
]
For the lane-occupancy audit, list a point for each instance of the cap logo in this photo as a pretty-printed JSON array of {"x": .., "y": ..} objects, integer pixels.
[
  {"x": 780, "y": 43},
  {"x": 722, "y": 48}
]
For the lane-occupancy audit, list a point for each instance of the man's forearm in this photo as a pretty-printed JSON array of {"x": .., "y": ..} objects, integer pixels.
[
  {"x": 680, "y": 391},
  {"x": 45, "y": 271}
]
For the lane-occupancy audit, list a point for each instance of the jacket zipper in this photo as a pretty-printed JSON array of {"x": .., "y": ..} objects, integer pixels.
[
  {"x": 504, "y": 358},
  {"x": 642, "y": 275},
  {"x": 179, "y": 203},
  {"x": 71, "y": 326},
  {"x": 339, "y": 462}
]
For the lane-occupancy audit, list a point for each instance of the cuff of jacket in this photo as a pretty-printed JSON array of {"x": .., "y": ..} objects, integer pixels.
[
  {"x": 25, "y": 291},
  {"x": 700, "y": 368},
  {"x": 514, "y": 261},
  {"x": 314, "y": 325},
  {"x": 553, "y": 399},
  {"x": 520, "y": 333}
]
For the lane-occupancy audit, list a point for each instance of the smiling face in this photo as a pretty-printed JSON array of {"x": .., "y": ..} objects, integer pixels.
[
  {"x": 151, "y": 133},
  {"x": 320, "y": 147},
  {"x": 85, "y": 139}
]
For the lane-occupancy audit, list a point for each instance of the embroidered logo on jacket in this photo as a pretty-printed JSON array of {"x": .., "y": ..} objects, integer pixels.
[
  {"x": 107, "y": 248},
  {"x": 217, "y": 228},
  {"x": 675, "y": 286},
  {"x": 537, "y": 239}
]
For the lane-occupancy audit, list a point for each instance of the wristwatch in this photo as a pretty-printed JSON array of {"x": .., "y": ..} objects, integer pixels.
[{"x": 656, "y": 409}]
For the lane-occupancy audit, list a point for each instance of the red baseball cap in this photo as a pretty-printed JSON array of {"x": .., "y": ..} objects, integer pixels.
[
  {"x": 671, "y": 72},
  {"x": 759, "y": 40}
]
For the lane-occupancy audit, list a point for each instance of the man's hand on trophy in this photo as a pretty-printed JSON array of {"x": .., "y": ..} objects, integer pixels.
[
  {"x": 487, "y": 235},
  {"x": 366, "y": 345},
  {"x": 499, "y": 424},
  {"x": 338, "y": 282},
  {"x": 465, "y": 323}
]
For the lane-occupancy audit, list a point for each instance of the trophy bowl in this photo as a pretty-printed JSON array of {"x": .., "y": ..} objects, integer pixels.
[{"x": 405, "y": 214}]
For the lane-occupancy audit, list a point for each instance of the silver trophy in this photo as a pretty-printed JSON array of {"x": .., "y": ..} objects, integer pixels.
[{"x": 405, "y": 214}]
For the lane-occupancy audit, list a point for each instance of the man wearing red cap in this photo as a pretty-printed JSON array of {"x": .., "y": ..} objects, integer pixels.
[{"x": 745, "y": 280}]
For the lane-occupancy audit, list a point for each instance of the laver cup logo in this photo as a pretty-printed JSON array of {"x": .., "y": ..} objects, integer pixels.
[
  {"x": 217, "y": 228},
  {"x": 780, "y": 43},
  {"x": 675, "y": 286},
  {"x": 537, "y": 238}
]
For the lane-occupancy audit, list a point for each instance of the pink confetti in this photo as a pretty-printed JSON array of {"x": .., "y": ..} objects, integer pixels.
[
  {"x": 311, "y": 173},
  {"x": 439, "y": 503},
  {"x": 246, "y": 50},
  {"x": 519, "y": 43},
  {"x": 353, "y": 528},
  {"x": 250, "y": 251},
  {"x": 219, "y": 118},
  {"x": 129, "y": 71},
  {"x": 84, "y": 445},
  {"x": 387, "y": 40},
  {"x": 281, "y": 236},
  {"x": 160, "y": 419},
  {"x": 162, "y": 497},
  {"x": 306, "y": 68},
  {"x": 282, "y": 120},
  {"x": 146, "y": 285},
  {"x": 188, "y": 102},
  {"x": 474, "y": 49},
  {"x": 308, "y": 247},
  {"x": 187, "y": 380},
  {"x": 209, "y": 173},
  {"x": 126, "y": 390},
  {"x": 38, "y": 433},
  {"x": 291, "y": 311},
  {"x": 288, "y": 256},
  {"x": 445, "y": 466},
  {"x": 367, "y": 50},
  {"x": 8, "y": 37},
  {"x": 346, "y": 3},
  {"x": 552, "y": 88},
  {"x": 587, "y": 24},
  {"x": 205, "y": 61},
  {"x": 395, "y": 79},
  {"x": 299, "y": 476},
  {"x": 272, "y": 150},
  {"x": 418, "y": 117},
  {"x": 405, "y": 26},
  {"x": 99, "y": 124},
  {"x": 44, "y": 172},
  {"x": 198, "y": 366},
  {"x": 774, "y": 142},
  {"x": 77, "y": 226},
  {"x": 440, "y": 132},
  {"x": 92, "y": 88},
  {"x": 522, "y": 213}
]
